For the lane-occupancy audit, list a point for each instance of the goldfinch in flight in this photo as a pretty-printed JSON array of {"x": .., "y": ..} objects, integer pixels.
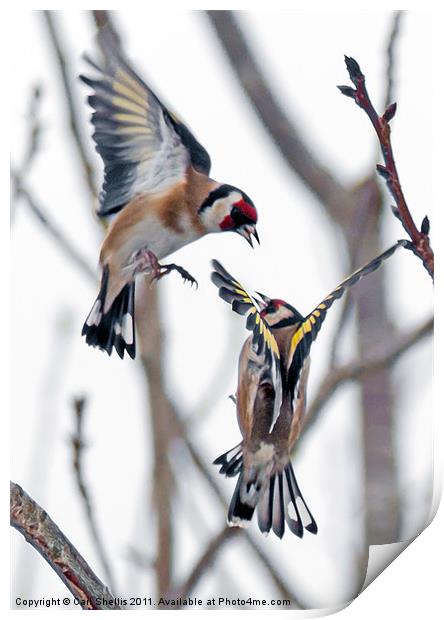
[
  {"x": 157, "y": 187},
  {"x": 270, "y": 402}
]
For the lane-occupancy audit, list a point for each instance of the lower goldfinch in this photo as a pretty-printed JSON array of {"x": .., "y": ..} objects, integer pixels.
[{"x": 271, "y": 403}]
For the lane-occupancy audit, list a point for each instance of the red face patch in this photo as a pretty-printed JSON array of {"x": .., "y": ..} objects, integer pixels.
[
  {"x": 274, "y": 304},
  {"x": 247, "y": 209},
  {"x": 227, "y": 223}
]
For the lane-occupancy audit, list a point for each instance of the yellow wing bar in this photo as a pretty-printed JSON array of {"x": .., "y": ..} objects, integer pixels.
[
  {"x": 232, "y": 291},
  {"x": 310, "y": 326}
]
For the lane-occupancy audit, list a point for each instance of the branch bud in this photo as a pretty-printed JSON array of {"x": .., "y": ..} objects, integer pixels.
[
  {"x": 382, "y": 170},
  {"x": 425, "y": 226},
  {"x": 348, "y": 91},
  {"x": 395, "y": 212},
  {"x": 353, "y": 69},
  {"x": 390, "y": 112}
]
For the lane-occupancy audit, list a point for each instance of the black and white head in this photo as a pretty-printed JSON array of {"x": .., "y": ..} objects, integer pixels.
[
  {"x": 228, "y": 208},
  {"x": 277, "y": 312}
]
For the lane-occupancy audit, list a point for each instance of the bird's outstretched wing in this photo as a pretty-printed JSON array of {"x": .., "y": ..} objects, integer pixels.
[
  {"x": 144, "y": 146},
  {"x": 304, "y": 336},
  {"x": 264, "y": 343},
  {"x": 232, "y": 291}
]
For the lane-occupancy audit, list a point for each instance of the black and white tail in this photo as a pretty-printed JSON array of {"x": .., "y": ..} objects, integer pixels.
[
  {"x": 116, "y": 327},
  {"x": 281, "y": 501}
]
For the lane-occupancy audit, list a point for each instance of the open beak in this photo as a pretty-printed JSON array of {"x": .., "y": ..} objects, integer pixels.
[
  {"x": 248, "y": 231},
  {"x": 263, "y": 301}
]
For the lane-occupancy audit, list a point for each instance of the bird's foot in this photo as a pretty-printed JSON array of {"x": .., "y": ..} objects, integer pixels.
[
  {"x": 165, "y": 269},
  {"x": 144, "y": 261},
  {"x": 147, "y": 261}
]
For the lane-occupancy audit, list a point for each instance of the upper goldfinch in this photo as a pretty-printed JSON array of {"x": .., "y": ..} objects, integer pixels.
[{"x": 157, "y": 185}]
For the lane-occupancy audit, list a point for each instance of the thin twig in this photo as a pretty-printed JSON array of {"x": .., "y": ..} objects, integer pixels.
[
  {"x": 35, "y": 130},
  {"x": 55, "y": 233},
  {"x": 354, "y": 370},
  {"x": 43, "y": 534},
  {"x": 78, "y": 445},
  {"x": 200, "y": 464},
  {"x": 191, "y": 506},
  {"x": 368, "y": 196},
  {"x": 392, "y": 41},
  {"x": 104, "y": 19},
  {"x": 420, "y": 238},
  {"x": 286, "y": 136},
  {"x": 216, "y": 387},
  {"x": 205, "y": 561},
  {"x": 32, "y": 141},
  {"x": 71, "y": 101}
]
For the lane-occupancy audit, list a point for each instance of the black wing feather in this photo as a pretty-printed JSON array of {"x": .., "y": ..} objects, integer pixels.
[
  {"x": 133, "y": 127},
  {"x": 306, "y": 334}
]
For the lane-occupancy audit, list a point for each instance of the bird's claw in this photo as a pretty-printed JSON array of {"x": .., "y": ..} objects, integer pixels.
[
  {"x": 146, "y": 261},
  {"x": 181, "y": 271}
]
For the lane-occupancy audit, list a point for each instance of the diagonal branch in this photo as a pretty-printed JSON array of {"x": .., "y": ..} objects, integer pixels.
[
  {"x": 205, "y": 561},
  {"x": 55, "y": 233},
  {"x": 354, "y": 370},
  {"x": 150, "y": 350},
  {"x": 286, "y": 136},
  {"x": 420, "y": 238},
  {"x": 104, "y": 19},
  {"x": 43, "y": 534},
  {"x": 70, "y": 100},
  {"x": 217, "y": 386},
  {"x": 32, "y": 142},
  {"x": 393, "y": 39},
  {"x": 78, "y": 444},
  {"x": 35, "y": 130},
  {"x": 200, "y": 464}
]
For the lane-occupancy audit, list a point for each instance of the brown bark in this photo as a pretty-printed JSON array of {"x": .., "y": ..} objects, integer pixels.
[{"x": 43, "y": 534}]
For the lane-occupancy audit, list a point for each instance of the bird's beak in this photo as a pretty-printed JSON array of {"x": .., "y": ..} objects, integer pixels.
[
  {"x": 263, "y": 301},
  {"x": 247, "y": 232}
]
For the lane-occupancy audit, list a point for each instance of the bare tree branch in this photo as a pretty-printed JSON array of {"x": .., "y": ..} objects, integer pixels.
[
  {"x": 216, "y": 387},
  {"x": 71, "y": 100},
  {"x": 205, "y": 561},
  {"x": 43, "y": 534},
  {"x": 57, "y": 235},
  {"x": 150, "y": 350},
  {"x": 367, "y": 201},
  {"x": 35, "y": 130},
  {"x": 33, "y": 141},
  {"x": 354, "y": 370},
  {"x": 200, "y": 465},
  {"x": 392, "y": 41},
  {"x": 104, "y": 19},
  {"x": 420, "y": 238},
  {"x": 286, "y": 136},
  {"x": 78, "y": 445},
  {"x": 367, "y": 193}
]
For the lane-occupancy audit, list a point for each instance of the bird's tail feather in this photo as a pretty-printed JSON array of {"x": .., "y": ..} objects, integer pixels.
[
  {"x": 115, "y": 328},
  {"x": 277, "y": 498}
]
